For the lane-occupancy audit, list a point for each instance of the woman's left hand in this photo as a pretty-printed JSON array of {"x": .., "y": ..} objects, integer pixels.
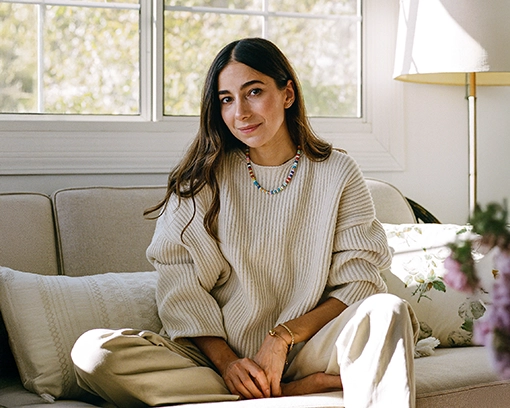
[{"x": 271, "y": 358}]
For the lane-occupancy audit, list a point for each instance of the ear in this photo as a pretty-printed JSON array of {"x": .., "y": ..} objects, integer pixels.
[{"x": 290, "y": 94}]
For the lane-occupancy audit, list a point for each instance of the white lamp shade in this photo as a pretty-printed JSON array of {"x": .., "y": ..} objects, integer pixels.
[{"x": 440, "y": 41}]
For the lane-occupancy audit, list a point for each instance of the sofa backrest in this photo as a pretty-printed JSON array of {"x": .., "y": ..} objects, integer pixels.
[
  {"x": 27, "y": 233},
  {"x": 391, "y": 206},
  {"x": 89, "y": 230},
  {"x": 102, "y": 229}
]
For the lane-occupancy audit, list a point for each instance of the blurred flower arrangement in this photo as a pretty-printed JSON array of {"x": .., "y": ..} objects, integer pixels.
[{"x": 493, "y": 330}]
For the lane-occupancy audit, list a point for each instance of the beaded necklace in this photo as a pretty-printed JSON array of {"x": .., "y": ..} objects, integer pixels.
[{"x": 284, "y": 184}]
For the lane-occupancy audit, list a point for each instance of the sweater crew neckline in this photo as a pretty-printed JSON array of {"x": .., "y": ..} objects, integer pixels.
[{"x": 242, "y": 156}]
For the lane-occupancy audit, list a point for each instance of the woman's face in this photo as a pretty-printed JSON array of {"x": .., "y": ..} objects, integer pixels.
[{"x": 253, "y": 107}]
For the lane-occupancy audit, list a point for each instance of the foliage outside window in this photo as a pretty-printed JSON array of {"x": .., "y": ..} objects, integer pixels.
[
  {"x": 84, "y": 57},
  {"x": 320, "y": 37},
  {"x": 79, "y": 58}
]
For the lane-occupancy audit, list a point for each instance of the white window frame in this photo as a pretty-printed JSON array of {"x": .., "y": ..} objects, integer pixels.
[{"x": 152, "y": 143}]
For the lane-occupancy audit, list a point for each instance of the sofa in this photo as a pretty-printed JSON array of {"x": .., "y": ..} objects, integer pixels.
[{"x": 75, "y": 260}]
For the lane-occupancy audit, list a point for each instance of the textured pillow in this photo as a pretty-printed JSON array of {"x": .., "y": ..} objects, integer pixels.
[
  {"x": 416, "y": 275},
  {"x": 44, "y": 315}
]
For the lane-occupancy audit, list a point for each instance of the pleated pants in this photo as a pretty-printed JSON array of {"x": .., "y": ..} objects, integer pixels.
[{"x": 370, "y": 345}]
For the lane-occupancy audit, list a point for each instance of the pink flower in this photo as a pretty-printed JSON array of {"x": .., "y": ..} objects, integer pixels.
[
  {"x": 482, "y": 331},
  {"x": 502, "y": 261},
  {"x": 455, "y": 276},
  {"x": 500, "y": 353},
  {"x": 493, "y": 330}
]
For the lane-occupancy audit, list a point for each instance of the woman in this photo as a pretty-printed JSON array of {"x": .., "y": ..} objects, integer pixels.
[{"x": 268, "y": 253}]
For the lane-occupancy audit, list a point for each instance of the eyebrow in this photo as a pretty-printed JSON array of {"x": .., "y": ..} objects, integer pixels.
[{"x": 245, "y": 85}]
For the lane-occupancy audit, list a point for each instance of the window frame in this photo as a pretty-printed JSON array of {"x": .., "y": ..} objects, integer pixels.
[{"x": 153, "y": 143}]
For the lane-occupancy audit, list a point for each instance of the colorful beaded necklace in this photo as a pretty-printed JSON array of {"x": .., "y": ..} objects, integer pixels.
[{"x": 284, "y": 184}]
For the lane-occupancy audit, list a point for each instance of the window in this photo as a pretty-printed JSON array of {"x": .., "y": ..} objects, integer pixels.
[
  {"x": 322, "y": 38},
  {"x": 129, "y": 107},
  {"x": 72, "y": 57},
  {"x": 83, "y": 57}
]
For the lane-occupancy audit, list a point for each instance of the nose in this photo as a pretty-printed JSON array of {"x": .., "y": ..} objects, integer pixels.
[{"x": 242, "y": 109}]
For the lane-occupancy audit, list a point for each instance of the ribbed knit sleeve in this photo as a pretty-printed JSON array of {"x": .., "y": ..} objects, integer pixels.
[
  {"x": 360, "y": 247},
  {"x": 188, "y": 270}
]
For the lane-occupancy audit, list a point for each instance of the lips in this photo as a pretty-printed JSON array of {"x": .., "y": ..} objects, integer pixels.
[{"x": 248, "y": 129}]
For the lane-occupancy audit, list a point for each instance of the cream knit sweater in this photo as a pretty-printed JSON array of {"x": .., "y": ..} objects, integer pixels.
[{"x": 278, "y": 257}]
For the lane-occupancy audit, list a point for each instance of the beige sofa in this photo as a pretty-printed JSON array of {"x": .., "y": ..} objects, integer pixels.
[{"x": 76, "y": 260}]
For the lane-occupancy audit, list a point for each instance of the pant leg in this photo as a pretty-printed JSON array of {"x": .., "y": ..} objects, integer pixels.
[
  {"x": 133, "y": 368},
  {"x": 371, "y": 346}
]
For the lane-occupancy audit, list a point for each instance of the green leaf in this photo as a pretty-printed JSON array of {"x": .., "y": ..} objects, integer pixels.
[
  {"x": 439, "y": 285},
  {"x": 467, "y": 325}
]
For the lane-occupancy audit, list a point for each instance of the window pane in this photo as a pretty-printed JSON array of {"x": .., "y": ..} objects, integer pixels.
[
  {"x": 232, "y": 4},
  {"x": 315, "y": 6},
  {"x": 91, "y": 61},
  {"x": 18, "y": 67},
  {"x": 325, "y": 56},
  {"x": 88, "y": 60},
  {"x": 192, "y": 40},
  {"x": 322, "y": 38}
]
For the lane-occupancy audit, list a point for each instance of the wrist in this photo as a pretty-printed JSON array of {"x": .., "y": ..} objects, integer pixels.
[
  {"x": 279, "y": 337},
  {"x": 285, "y": 334},
  {"x": 217, "y": 350}
]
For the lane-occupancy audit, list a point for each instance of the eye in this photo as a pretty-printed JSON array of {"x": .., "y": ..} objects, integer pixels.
[
  {"x": 255, "y": 91},
  {"x": 225, "y": 99}
]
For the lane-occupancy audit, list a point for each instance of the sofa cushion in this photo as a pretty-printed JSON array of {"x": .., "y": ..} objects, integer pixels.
[
  {"x": 333, "y": 399},
  {"x": 44, "y": 316},
  {"x": 460, "y": 377},
  {"x": 12, "y": 394},
  {"x": 102, "y": 229},
  {"x": 416, "y": 275},
  {"x": 452, "y": 369}
]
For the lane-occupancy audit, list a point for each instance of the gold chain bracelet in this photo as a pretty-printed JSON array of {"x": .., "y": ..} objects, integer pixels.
[
  {"x": 291, "y": 346},
  {"x": 273, "y": 333}
]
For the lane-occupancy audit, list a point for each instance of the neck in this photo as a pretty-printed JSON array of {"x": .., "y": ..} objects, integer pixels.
[{"x": 273, "y": 155}]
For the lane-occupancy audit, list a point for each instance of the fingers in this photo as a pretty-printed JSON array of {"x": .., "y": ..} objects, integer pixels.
[
  {"x": 271, "y": 358},
  {"x": 246, "y": 379},
  {"x": 276, "y": 389},
  {"x": 260, "y": 378}
]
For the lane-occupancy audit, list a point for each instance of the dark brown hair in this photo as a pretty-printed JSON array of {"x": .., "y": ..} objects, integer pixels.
[{"x": 199, "y": 166}]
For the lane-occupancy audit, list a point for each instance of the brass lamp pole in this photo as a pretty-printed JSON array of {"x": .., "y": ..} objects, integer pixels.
[{"x": 473, "y": 172}]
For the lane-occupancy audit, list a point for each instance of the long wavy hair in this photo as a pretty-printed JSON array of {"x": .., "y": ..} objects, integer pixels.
[{"x": 199, "y": 166}]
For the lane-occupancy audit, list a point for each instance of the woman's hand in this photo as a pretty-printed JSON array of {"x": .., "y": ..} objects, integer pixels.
[
  {"x": 247, "y": 379},
  {"x": 273, "y": 352},
  {"x": 242, "y": 376},
  {"x": 271, "y": 358}
]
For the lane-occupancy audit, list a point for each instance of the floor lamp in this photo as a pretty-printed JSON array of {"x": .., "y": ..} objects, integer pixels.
[{"x": 455, "y": 42}]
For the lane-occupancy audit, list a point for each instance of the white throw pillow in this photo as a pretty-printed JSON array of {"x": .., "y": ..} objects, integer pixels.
[
  {"x": 417, "y": 269},
  {"x": 44, "y": 316}
]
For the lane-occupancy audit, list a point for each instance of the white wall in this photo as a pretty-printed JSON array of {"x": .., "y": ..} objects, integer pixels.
[
  {"x": 494, "y": 143},
  {"x": 436, "y": 169}
]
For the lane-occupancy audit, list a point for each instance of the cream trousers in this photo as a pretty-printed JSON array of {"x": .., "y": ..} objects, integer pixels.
[{"x": 371, "y": 344}]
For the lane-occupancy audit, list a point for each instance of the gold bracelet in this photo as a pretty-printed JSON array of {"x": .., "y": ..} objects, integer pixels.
[
  {"x": 272, "y": 333},
  {"x": 291, "y": 346}
]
